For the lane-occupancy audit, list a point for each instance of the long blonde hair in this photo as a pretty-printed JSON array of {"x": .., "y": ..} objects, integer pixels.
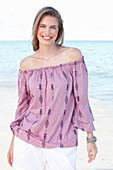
[{"x": 42, "y": 13}]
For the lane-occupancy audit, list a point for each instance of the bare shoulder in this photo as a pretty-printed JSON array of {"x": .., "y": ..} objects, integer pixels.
[
  {"x": 25, "y": 63},
  {"x": 73, "y": 54}
]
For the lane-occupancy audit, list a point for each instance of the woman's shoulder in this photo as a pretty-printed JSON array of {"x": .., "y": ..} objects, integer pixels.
[
  {"x": 73, "y": 54},
  {"x": 25, "y": 63},
  {"x": 69, "y": 54}
]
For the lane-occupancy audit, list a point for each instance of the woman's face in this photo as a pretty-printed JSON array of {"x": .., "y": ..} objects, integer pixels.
[{"x": 47, "y": 30}]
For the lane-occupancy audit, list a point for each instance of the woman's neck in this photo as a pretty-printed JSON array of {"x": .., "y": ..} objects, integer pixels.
[{"x": 47, "y": 52}]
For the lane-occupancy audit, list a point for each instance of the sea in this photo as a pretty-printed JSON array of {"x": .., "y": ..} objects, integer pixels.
[{"x": 98, "y": 57}]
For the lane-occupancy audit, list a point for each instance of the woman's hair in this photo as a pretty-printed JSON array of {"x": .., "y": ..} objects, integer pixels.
[{"x": 42, "y": 13}]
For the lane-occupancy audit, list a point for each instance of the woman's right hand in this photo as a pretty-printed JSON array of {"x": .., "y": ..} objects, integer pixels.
[{"x": 10, "y": 152}]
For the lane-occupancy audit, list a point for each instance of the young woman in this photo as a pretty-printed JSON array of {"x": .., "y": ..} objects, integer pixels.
[{"x": 53, "y": 101}]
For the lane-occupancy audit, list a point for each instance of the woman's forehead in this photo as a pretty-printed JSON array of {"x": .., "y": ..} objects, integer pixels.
[{"x": 49, "y": 20}]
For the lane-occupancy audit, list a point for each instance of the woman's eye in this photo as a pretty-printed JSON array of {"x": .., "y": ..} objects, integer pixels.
[
  {"x": 42, "y": 26},
  {"x": 53, "y": 27}
]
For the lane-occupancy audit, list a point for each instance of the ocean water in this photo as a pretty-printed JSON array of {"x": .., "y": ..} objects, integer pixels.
[{"x": 98, "y": 58}]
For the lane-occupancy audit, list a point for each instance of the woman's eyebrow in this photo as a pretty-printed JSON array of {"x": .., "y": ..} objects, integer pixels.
[
  {"x": 51, "y": 25},
  {"x": 54, "y": 25}
]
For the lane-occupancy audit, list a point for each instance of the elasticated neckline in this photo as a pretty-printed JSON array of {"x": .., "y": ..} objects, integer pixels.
[{"x": 50, "y": 67}]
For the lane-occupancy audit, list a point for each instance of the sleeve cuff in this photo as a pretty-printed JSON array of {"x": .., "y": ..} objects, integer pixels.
[{"x": 88, "y": 127}]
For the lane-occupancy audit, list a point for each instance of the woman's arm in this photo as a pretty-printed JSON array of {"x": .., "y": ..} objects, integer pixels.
[
  {"x": 91, "y": 148},
  {"x": 90, "y": 134},
  {"x": 83, "y": 116},
  {"x": 10, "y": 152}
]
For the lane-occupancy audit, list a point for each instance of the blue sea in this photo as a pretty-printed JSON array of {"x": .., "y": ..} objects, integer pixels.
[{"x": 98, "y": 57}]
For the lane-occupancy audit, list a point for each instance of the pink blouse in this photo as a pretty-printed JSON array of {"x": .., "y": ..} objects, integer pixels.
[{"x": 52, "y": 105}]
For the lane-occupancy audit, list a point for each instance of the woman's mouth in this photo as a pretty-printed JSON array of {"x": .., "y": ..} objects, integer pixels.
[{"x": 47, "y": 38}]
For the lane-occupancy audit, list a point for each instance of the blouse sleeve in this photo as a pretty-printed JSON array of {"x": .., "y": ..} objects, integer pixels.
[
  {"x": 23, "y": 100},
  {"x": 83, "y": 118}
]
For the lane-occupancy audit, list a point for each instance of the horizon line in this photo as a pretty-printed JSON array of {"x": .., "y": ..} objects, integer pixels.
[{"x": 64, "y": 40}]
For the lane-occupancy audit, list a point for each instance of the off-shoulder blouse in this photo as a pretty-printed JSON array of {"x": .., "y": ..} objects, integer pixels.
[{"x": 52, "y": 105}]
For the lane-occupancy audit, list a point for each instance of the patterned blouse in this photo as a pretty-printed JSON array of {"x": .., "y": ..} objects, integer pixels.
[{"x": 52, "y": 105}]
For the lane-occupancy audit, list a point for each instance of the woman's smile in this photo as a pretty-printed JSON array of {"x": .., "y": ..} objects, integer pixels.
[{"x": 46, "y": 38}]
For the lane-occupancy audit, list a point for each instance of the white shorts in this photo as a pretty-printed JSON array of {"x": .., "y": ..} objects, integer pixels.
[{"x": 30, "y": 157}]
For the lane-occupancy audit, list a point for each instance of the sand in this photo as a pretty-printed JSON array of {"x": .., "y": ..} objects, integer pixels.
[{"x": 102, "y": 111}]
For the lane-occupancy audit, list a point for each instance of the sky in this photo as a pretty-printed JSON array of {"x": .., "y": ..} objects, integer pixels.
[{"x": 83, "y": 19}]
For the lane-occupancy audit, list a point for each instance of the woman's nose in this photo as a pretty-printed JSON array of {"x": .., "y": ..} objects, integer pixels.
[{"x": 47, "y": 30}]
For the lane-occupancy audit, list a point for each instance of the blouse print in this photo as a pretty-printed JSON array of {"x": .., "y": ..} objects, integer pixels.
[{"x": 52, "y": 105}]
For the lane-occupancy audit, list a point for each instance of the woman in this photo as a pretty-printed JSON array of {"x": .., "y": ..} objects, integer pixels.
[{"x": 53, "y": 101}]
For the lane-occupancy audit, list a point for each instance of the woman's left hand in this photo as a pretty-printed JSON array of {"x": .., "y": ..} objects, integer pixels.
[{"x": 92, "y": 151}]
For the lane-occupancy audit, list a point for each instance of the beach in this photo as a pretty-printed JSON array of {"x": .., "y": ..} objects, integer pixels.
[{"x": 102, "y": 111}]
